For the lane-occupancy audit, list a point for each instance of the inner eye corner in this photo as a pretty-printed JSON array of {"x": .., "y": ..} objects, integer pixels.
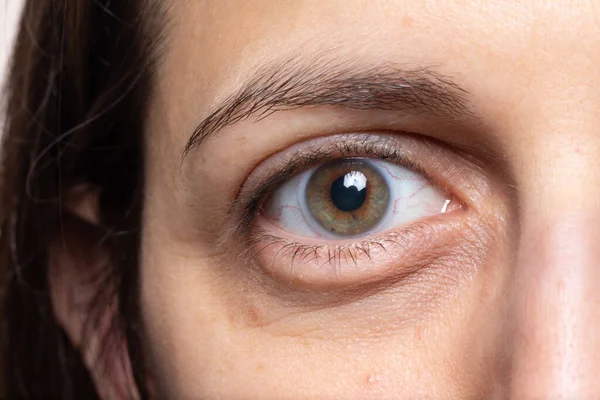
[{"x": 458, "y": 200}]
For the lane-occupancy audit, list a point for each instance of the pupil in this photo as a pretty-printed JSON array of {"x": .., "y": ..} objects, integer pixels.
[{"x": 348, "y": 192}]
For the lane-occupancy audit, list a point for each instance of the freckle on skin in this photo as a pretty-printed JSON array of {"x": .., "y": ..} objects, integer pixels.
[
  {"x": 418, "y": 333},
  {"x": 407, "y": 22},
  {"x": 256, "y": 314},
  {"x": 373, "y": 380}
]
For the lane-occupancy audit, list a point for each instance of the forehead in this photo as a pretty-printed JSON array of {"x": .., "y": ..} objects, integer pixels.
[
  {"x": 504, "y": 53},
  {"x": 235, "y": 31}
]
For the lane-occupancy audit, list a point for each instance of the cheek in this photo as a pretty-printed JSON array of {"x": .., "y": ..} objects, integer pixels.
[{"x": 210, "y": 337}]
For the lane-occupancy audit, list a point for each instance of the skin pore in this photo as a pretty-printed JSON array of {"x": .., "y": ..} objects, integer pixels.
[{"x": 496, "y": 298}]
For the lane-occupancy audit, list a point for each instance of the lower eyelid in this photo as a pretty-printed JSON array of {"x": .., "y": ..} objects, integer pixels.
[{"x": 393, "y": 256}]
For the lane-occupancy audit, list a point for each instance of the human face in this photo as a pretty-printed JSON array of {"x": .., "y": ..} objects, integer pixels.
[{"x": 484, "y": 286}]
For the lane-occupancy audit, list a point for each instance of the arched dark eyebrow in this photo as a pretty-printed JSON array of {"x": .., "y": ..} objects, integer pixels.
[{"x": 294, "y": 84}]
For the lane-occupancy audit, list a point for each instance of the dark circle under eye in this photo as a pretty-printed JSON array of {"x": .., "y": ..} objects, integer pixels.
[{"x": 347, "y": 197}]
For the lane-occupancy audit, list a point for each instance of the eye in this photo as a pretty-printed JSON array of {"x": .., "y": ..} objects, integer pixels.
[
  {"x": 353, "y": 209},
  {"x": 353, "y": 198}
]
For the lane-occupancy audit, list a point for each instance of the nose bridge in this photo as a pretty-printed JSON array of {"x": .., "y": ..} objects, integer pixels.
[{"x": 555, "y": 285}]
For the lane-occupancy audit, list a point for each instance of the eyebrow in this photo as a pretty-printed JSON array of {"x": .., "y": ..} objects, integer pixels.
[{"x": 295, "y": 84}]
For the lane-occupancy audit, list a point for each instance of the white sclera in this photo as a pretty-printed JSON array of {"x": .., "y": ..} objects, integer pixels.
[{"x": 412, "y": 197}]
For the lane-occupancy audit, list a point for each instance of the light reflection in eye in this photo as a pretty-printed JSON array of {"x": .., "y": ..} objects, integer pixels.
[{"x": 353, "y": 197}]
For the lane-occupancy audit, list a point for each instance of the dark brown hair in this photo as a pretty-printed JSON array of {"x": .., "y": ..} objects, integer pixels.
[{"x": 80, "y": 76}]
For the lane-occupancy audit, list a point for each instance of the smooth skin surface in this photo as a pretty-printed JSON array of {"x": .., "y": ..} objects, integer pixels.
[{"x": 497, "y": 299}]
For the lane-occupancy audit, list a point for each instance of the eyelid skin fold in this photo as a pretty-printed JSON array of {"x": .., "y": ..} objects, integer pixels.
[{"x": 387, "y": 255}]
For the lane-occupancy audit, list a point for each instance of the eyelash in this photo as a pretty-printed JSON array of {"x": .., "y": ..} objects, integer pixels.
[
  {"x": 335, "y": 255},
  {"x": 258, "y": 240}
]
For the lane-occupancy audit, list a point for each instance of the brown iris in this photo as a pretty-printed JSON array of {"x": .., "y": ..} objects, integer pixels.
[{"x": 347, "y": 197}]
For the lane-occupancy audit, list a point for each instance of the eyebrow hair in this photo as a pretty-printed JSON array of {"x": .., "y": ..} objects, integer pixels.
[{"x": 295, "y": 84}]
